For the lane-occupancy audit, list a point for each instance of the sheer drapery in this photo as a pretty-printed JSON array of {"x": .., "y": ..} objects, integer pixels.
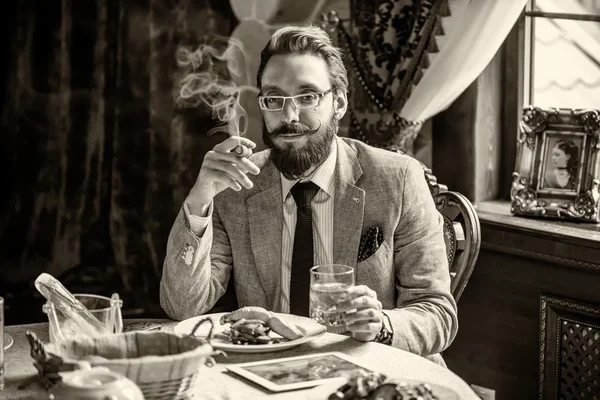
[{"x": 474, "y": 32}]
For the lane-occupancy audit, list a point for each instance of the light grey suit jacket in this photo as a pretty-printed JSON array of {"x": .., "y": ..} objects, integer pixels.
[{"x": 374, "y": 187}]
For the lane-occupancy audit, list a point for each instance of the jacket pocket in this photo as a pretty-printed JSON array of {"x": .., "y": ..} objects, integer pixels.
[{"x": 378, "y": 273}]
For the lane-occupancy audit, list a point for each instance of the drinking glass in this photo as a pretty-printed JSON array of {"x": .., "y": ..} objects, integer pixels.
[
  {"x": 328, "y": 284},
  {"x": 106, "y": 310}
]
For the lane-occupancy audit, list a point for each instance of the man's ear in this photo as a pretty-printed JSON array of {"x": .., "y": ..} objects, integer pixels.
[{"x": 340, "y": 104}]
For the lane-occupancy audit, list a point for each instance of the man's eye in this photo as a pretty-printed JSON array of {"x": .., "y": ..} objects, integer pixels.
[
  {"x": 308, "y": 98},
  {"x": 272, "y": 100}
]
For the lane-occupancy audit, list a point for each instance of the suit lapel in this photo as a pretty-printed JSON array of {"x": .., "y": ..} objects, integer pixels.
[
  {"x": 349, "y": 206},
  {"x": 264, "y": 208}
]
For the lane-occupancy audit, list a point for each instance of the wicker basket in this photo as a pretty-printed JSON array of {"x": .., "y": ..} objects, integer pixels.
[{"x": 163, "y": 364}]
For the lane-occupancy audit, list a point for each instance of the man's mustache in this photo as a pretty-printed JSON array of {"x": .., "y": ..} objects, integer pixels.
[{"x": 287, "y": 129}]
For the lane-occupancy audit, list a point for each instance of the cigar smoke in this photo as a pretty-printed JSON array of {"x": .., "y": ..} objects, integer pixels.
[{"x": 207, "y": 81}]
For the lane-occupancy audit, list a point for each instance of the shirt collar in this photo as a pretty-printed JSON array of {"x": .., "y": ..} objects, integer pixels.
[{"x": 323, "y": 176}]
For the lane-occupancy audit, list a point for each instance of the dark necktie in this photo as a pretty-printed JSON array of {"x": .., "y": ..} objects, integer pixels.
[{"x": 302, "y": 255}]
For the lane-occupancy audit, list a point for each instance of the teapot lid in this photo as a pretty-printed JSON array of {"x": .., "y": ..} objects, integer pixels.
[
  {"x": 97, "y": 383},
  {"x": 91, "y": 378}
]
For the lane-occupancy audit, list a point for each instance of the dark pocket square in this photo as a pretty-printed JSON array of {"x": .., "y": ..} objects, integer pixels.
[{"x": 369, "y": 243}]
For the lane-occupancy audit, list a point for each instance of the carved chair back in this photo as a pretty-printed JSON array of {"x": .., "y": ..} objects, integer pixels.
[{"x": 462, "y": 232}]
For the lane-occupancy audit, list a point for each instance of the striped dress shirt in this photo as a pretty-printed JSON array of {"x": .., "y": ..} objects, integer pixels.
[{"x": 322, "y": 212}]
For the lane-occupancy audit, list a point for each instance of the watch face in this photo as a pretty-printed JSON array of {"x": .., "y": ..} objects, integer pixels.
[
  {"x": 385, "y": 335},
  {"x": 381, "y": 336}
]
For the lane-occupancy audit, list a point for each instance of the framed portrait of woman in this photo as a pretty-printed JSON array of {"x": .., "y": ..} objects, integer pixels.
[
  {"x": 562, "y": 163},
  {"x": 557, "y": 173}
]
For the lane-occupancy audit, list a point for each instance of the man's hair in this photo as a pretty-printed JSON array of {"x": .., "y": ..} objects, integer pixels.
[{"x": 306, "y": 40}]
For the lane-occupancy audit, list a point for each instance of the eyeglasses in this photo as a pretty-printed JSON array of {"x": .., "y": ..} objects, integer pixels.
[{"x": 304, "y": 100}]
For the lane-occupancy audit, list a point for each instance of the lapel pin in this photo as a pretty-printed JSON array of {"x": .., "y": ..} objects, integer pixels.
[
  {"x": 356, "y": 199},
  {"x": 188, "y": 254}
]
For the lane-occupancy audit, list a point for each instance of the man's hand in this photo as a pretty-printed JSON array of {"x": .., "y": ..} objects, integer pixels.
[
  {"x": 221, "y": 169},
  {"x": 364, "y": 319}
]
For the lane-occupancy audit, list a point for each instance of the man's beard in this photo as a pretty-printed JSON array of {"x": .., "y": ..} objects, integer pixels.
[{"x": 293, "y": 162}]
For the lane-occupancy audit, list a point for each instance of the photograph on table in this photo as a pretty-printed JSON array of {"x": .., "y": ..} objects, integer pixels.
[
  {"x": 299, "y": 372},
  {"x": 557, "y": 171}
]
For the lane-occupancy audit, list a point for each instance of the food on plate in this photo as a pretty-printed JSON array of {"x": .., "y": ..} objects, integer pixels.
[
  {"x": 376, "y": 386},
  {"x": 252, "y": 331},
  {"x": 252, "y": 325},
  {"x": 247, "y": 313},
  {"x": 286, "y": 330}
]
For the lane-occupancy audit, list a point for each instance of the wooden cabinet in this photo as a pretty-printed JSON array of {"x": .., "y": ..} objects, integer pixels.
[
  {"x": 530, "y": 315},
  {"x": 569, "y": 349}
]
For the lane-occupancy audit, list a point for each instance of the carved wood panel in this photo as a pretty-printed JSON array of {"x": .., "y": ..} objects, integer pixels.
[{"x": 569, "y": 350}]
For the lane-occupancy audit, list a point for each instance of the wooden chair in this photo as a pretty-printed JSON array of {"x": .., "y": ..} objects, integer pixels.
[{"x": 462, "y": 232}]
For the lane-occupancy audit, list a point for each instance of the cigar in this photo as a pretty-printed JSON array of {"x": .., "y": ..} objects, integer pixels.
[{"x": 242, "y": 151}]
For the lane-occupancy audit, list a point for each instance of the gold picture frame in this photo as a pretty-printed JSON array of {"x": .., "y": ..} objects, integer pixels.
[{"x": 558, "y": 165}]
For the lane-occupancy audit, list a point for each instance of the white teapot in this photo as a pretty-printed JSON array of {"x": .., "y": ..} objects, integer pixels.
[{"x": 98, "y": 383}]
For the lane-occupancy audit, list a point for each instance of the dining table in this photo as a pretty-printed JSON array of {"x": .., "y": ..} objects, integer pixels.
[{"x": 217, "y": 383}]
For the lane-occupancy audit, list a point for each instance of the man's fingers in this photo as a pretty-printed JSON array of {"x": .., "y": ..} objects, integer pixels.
[
  {"x": 360, "y": 290},
  {"x": 244, "y": 164},
  {"x": 364, "y": 327},
  {"x": 229, "y": 144},
  {"x": 227, "y": 181},
  {"x": 368, "y": 315},
  {"x": 361, "y": 302},
  {"x": 231, "y": 171}
]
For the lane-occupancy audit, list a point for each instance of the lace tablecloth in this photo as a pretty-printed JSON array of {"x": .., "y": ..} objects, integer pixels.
[{"x": 216, "y": 384}]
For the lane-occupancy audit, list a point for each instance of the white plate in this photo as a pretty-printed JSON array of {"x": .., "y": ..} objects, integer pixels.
[
  {"x": 8, "y": 341},
  {"x": 307, "y": 326}
]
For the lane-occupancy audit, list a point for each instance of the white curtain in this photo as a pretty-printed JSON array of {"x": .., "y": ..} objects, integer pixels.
[{"x": 473, "y": 34}]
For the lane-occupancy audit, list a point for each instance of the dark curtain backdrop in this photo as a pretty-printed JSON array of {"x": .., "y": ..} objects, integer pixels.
[{"x": 95, "y": 158}]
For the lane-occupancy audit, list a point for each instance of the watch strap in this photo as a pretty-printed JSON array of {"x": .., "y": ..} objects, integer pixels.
[{"x": 386, "y": 334}]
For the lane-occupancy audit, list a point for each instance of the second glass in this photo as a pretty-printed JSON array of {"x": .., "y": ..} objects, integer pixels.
[
  {"x": 107, "y": 310},
  {"x": 328, "y": 284}
]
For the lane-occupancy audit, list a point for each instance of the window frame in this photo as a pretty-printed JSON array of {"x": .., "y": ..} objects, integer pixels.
[{"x": 518, "y": 50}]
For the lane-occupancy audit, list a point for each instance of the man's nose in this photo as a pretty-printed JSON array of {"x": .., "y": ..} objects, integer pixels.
[{"x": 290, "y": 112}]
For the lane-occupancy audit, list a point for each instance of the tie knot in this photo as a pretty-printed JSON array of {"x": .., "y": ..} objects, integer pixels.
[{"x": 303, "y": 193}]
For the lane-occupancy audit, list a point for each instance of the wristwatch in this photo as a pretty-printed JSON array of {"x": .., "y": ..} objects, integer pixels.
[{"x": 386, "y": 334}]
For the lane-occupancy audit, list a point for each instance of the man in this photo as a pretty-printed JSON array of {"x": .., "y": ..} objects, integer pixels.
[{"x": 241, "y": 215}]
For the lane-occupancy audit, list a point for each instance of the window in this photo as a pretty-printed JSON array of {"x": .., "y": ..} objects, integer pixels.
[
  {"x": 562, "y": 53},
  {"x": 551, "y": 59}
]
